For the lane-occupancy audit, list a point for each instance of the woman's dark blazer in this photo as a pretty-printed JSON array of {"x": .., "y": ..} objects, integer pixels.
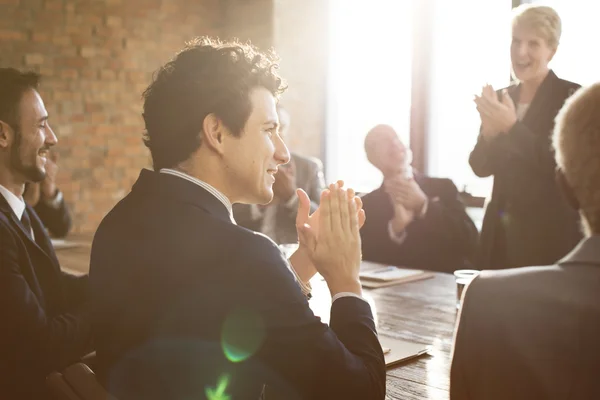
[{"x": 527, "y": 220}]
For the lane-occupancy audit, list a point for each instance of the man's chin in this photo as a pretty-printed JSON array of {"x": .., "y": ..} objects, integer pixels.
[
  {"x": 263, "y": 198},
  {"x": 35, "y": 174}
]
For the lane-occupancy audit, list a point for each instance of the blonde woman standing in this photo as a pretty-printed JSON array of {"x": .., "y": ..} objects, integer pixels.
[{"x": 527, "y": 221}]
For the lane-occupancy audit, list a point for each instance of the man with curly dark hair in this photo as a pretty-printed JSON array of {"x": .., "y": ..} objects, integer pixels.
[{"x": 187, "y": 304}]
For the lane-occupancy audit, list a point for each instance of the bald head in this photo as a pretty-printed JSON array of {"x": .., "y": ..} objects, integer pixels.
[{"x": 386, "y": 151}]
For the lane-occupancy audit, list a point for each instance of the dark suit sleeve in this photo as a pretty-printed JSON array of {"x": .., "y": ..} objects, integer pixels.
[
  {"x": 484, "y": 158},
  {"x": 528, "y": 146},
  {"x": 57, "y": 220},
  {"x": 466, "y": 357},
  {"x": 344, "y": 361},
  {"x": 458, "y": 377},
  {"x": 51, "y": 342},
  {"x": 77, "y": 288},
  {"x": 444, "y": 239},
  {"x": 446, "y": 226}
]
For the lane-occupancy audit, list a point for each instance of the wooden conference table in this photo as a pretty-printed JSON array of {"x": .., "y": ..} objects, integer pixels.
[{"x": 420, "y": 312}]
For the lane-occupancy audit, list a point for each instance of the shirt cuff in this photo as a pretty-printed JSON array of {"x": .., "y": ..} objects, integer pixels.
[
  {"x": 55, "y": 202},
  {"x": 395, "y": 237},
  {"x": 346, "y": 294},
  {"x": 304, "y": 286}
]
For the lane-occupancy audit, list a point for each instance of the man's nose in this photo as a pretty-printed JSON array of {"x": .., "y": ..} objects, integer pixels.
[{"x": 282, "y": 154}]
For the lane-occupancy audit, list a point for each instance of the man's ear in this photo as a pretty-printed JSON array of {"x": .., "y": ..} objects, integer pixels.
[
  {"x": 214, "y": 133},
  {"x": 6, "y": 134},
  {"x": 566, "y": 189}
]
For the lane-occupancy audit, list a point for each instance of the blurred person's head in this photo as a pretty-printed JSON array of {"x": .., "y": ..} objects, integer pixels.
[
  {"x": 536, "y": 32},
  {"x": 211, "y": 112},
  {"x": 386, "y": 151},
  {"x": 576, "y": 143},
  {"x": 25, "y": 134}
]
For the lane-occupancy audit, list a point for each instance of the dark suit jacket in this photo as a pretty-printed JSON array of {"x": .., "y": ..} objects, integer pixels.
[
  {"x": 531, "y": 333},
  {"x": 57, "y": 220},
  {"x": 45, "y": 325},
  {"x": 527, "y": 221},
  {"x": 184, "y": 299},
  {"x": 309, "y": 176},
  {"x": 443, "y": 240}
]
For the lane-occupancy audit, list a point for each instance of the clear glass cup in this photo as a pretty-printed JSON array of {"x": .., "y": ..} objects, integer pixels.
[{"x": 463, "y": 277}]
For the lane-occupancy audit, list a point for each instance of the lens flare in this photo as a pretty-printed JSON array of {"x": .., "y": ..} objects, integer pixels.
[
  {"x": 218, "y": 393},
  {"x": 242, "y": 335}
]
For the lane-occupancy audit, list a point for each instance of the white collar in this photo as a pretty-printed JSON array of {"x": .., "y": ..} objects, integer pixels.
[
  {"x": 211, "y": 189},
  {"x": 17, "y": 204}
]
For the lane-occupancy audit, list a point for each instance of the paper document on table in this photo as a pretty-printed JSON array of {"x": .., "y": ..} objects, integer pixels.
[
  {"x": 59, "y": 244},
  {"x": 381, "y": 276},
  {"x": 397, "y": 351}
]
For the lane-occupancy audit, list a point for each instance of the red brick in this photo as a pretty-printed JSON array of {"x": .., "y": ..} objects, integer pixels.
[
  {"x": 61, "y": 40},
  {"x": 81, "y": 40},
  {"x": 108, "y": 74},
  {"x": 7, "y": 34},
  {"x": 93, "y": 107},
  {"x": 97, "y": 57},
  {"x": 71, "y": 62},
  {"x": 34, "y": 59},
  {"x": 69, "y": 73},
  {"x": 41, "y": 37},
  {"x": 87, "y": 52},
  {"x": 54, "y": 5}
]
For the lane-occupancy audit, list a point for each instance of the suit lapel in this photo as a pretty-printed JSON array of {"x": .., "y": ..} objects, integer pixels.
[
  {"x": 42, "y": 240},
  {"x": 38, "y": 231},
  {"x": 541, "y": 104}
]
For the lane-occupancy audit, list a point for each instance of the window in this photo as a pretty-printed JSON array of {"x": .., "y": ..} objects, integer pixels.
[
  {"x": 471, "y": 47},
  {"x": 575, "y": 59},
  {"x": 369, "y": 83}
]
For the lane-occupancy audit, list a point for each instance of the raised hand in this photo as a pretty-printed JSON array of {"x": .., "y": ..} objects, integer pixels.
[
  {"x": 406, "y": 192},
  {"x": 336, "y": 251},
  {"x": 304, "y": 217}
]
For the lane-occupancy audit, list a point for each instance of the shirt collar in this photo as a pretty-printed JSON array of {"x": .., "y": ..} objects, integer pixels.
[
  {"x": 211, "y": 189},
  {"x": 16, "y": 204}
]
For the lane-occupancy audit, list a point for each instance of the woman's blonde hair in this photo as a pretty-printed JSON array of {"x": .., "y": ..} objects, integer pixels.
[{"x": 544, "y": 20}]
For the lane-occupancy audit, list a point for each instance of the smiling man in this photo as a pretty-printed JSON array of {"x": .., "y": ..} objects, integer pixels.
[
  {"x": 45, "y": 325},
  {"x": 187, "y": 304}
]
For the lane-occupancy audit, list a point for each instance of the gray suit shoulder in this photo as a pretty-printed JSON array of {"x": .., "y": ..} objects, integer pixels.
[{"x": 307, "y": 162}]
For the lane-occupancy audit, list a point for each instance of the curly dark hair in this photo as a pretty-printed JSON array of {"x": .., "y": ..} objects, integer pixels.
[
  {"x": 13, "y": 84},
  {"x": 207, "y": 76}
]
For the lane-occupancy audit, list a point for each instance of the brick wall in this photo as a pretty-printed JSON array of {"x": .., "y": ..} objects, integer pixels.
[{"x": 96, "y": 57}]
